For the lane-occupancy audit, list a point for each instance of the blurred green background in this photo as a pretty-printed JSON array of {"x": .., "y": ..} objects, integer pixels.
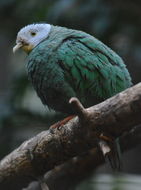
[{"x": 116, "y": 23}]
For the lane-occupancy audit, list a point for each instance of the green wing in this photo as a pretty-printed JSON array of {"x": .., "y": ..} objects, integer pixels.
[{"x": 91, "y": 68}]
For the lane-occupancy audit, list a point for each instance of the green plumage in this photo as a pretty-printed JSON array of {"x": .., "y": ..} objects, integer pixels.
[{"x": 71, "y": 63}]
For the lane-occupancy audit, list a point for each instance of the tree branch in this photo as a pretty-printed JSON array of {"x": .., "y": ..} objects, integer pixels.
[
  {"x": 56, "y": 145},
  {"x": 79, "y": 168}
]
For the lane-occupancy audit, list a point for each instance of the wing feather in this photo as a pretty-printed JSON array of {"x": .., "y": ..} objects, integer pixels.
[{"x": 93, "y": 67}]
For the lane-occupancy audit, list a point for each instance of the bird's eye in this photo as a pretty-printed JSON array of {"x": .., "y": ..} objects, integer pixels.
[{"x": 33, "y": 33}]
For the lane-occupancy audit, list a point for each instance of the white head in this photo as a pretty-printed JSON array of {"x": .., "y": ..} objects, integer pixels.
[{"x": 30, "y": 36}]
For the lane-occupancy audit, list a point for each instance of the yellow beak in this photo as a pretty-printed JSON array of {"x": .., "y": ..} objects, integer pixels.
[
  {"x": 26, "y": 47},
  {"x": 17, "y": 46}
]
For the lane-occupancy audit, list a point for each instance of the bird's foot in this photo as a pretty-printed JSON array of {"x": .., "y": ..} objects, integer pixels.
[
  {"x": 106, "y": 138},
  {"x": 62, "y": 122}
]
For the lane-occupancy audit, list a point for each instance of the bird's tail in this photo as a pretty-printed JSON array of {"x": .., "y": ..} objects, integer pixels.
[{"x": 112, "y": 153}]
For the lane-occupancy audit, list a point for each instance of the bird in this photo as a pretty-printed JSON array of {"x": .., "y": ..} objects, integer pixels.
[{"x": 63, "y": 63}]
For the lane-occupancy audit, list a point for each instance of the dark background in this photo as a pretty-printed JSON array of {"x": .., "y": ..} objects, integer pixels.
[{"x": 116, "y": 23}]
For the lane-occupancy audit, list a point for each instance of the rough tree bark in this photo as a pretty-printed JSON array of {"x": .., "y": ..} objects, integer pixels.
[
  {"x": 42, "y": 153},
  {"x": 81, "y": 167}
]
